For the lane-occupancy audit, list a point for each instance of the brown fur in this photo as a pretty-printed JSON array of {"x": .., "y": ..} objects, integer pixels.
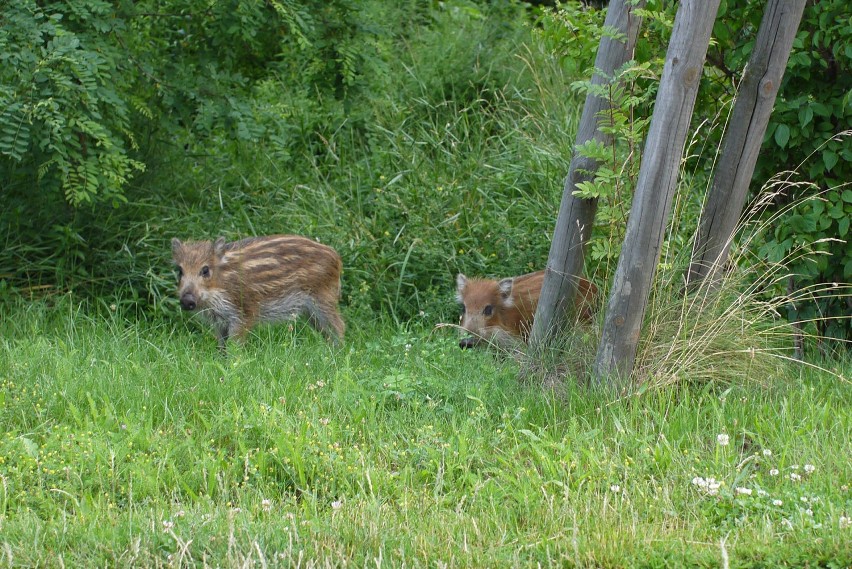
[
  {"x": 502, "y": 312},
  {"x": 260, "y": 279}
]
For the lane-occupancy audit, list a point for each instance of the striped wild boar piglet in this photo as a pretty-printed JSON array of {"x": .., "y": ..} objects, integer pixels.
[
  {"x": 501, "y": 312},
  {"x": 260, "y": 279}
]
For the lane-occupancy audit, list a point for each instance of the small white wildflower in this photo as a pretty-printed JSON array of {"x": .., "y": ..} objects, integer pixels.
[
  {"x": 336, "y": 505},
  {"x": 804, "y": 499},
  {"x": 762, "y": 493},
  {"x": 767, "y": 452},
  {"x": 180, "y": 514},
  {"x": 408, "y": 347},
  {"x": 809, "y": 468},
  {"x": 741, "y": 490},
  {"x": 723, "y": 439},
  {"x": 698, "y": 481},
  {"x": 845, "y": 522},
  {"x": 324, "y": 421},
  {"x": 167, "y": 525},
  {"x": 773, "y": 472},
  {"x": 777, "y": 502},
  {"x": 794, "y": 477},
  {"x": 266, "y": 504},
  {"x": 615, "y": 488},
  {"x": 809, "y": 512},
  {"x": 794, "y": 467}
]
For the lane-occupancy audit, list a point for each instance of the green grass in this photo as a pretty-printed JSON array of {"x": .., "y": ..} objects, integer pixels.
[{"x": 135, "y": 443}]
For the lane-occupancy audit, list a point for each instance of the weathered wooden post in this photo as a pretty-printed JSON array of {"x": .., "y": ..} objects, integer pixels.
[{"x": 654, "y": 192}]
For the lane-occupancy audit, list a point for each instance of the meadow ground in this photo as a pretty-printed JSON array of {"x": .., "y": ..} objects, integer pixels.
[{"x": 129, "y": 443}]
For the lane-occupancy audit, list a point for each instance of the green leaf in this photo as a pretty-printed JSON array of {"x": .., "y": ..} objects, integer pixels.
[
  {"x": 806, "y": 115},
  {"x": 782, "y": 135},
  {"x": 829, "y": 157},
  {"x": 843, "y": 226},
  {"x": 846, "y": 196}
]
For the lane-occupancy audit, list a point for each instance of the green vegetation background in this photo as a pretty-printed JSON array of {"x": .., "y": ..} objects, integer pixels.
[{"x": 419, "y": 139}]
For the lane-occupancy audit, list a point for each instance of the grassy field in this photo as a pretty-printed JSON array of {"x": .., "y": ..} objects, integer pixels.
[{"x": 127, "y": 443}]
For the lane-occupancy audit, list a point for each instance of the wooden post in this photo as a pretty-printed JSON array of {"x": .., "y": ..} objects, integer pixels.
[
  {"x": 577, "y": 215},
  {"x": 743, "y": 139},
  {"x": 654, "y": 191}
]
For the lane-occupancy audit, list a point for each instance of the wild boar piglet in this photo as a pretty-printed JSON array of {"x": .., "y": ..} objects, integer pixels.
[
  {"x": 501, "y": 312},
  {"x": 260, "y": 279}
]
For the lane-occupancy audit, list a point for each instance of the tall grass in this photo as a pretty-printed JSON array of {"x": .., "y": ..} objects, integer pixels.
[{"x": 138, "y": 445}]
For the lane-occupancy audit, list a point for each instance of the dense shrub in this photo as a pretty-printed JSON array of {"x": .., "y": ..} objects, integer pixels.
[{"x": 806, "y": 134}]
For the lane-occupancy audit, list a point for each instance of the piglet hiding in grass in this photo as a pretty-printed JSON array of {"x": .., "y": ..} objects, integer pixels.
[
  {"x": 501, "y": 312},
  {"x": 260, "y": 279}
]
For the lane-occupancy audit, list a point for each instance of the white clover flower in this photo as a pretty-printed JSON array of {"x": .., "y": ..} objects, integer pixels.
[
  {"x": 794, "y": 467},
  {"x": 804, "y": 499},
  {"x": 777, "y": 502},
  {"x": 767, "y": 452},
  {"x": 773, "y": 472},
  {"x": 708, "y": 485},
  {"x": 266, "y": 504},
  {"x": 809, "y": 512},
  {"x": 809, "y": 468},
  {"x": 615, "y": 488},
  {"x": 845, "y": 522},
  {"x": 762, "y": 493},
  {"x": 741, "y": 490},
  {"x": 795, "y": 477},
  {"x": 723, "y": 439},
  {"x": 167, "y": 525},
  {"x": 336, "y": 505}
]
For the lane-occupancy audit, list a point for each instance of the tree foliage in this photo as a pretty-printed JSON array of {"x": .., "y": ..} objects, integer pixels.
[{"x": 65, "y": 124}]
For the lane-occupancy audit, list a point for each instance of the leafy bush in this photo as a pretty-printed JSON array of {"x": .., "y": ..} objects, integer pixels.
[
  {"x": 805, "y": 133},
  {"x": 65, "y": 125}
]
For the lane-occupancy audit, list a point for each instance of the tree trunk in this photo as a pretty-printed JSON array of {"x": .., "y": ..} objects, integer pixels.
[
  {"x": 576, "y": 215},
  {"x": 654, "y": 191},
  {"x": 741, "y": 146}
]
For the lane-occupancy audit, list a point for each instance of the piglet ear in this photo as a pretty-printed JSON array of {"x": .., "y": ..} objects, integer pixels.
[
  {"x": 461, "y": 283},
  {"x": 219, "y": 246},
  {"x": 505, "y": 288},
  {"x": 177, "y": 246}
]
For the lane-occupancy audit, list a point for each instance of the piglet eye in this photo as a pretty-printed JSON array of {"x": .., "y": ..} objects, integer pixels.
[
  {"x": 488, "y": 310},
  {"x": 205, "y": 271},
  {"x": 179, "y": 273}
]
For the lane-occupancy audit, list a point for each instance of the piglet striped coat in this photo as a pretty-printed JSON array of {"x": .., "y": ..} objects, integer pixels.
[{"x": 260, "y": 279}]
